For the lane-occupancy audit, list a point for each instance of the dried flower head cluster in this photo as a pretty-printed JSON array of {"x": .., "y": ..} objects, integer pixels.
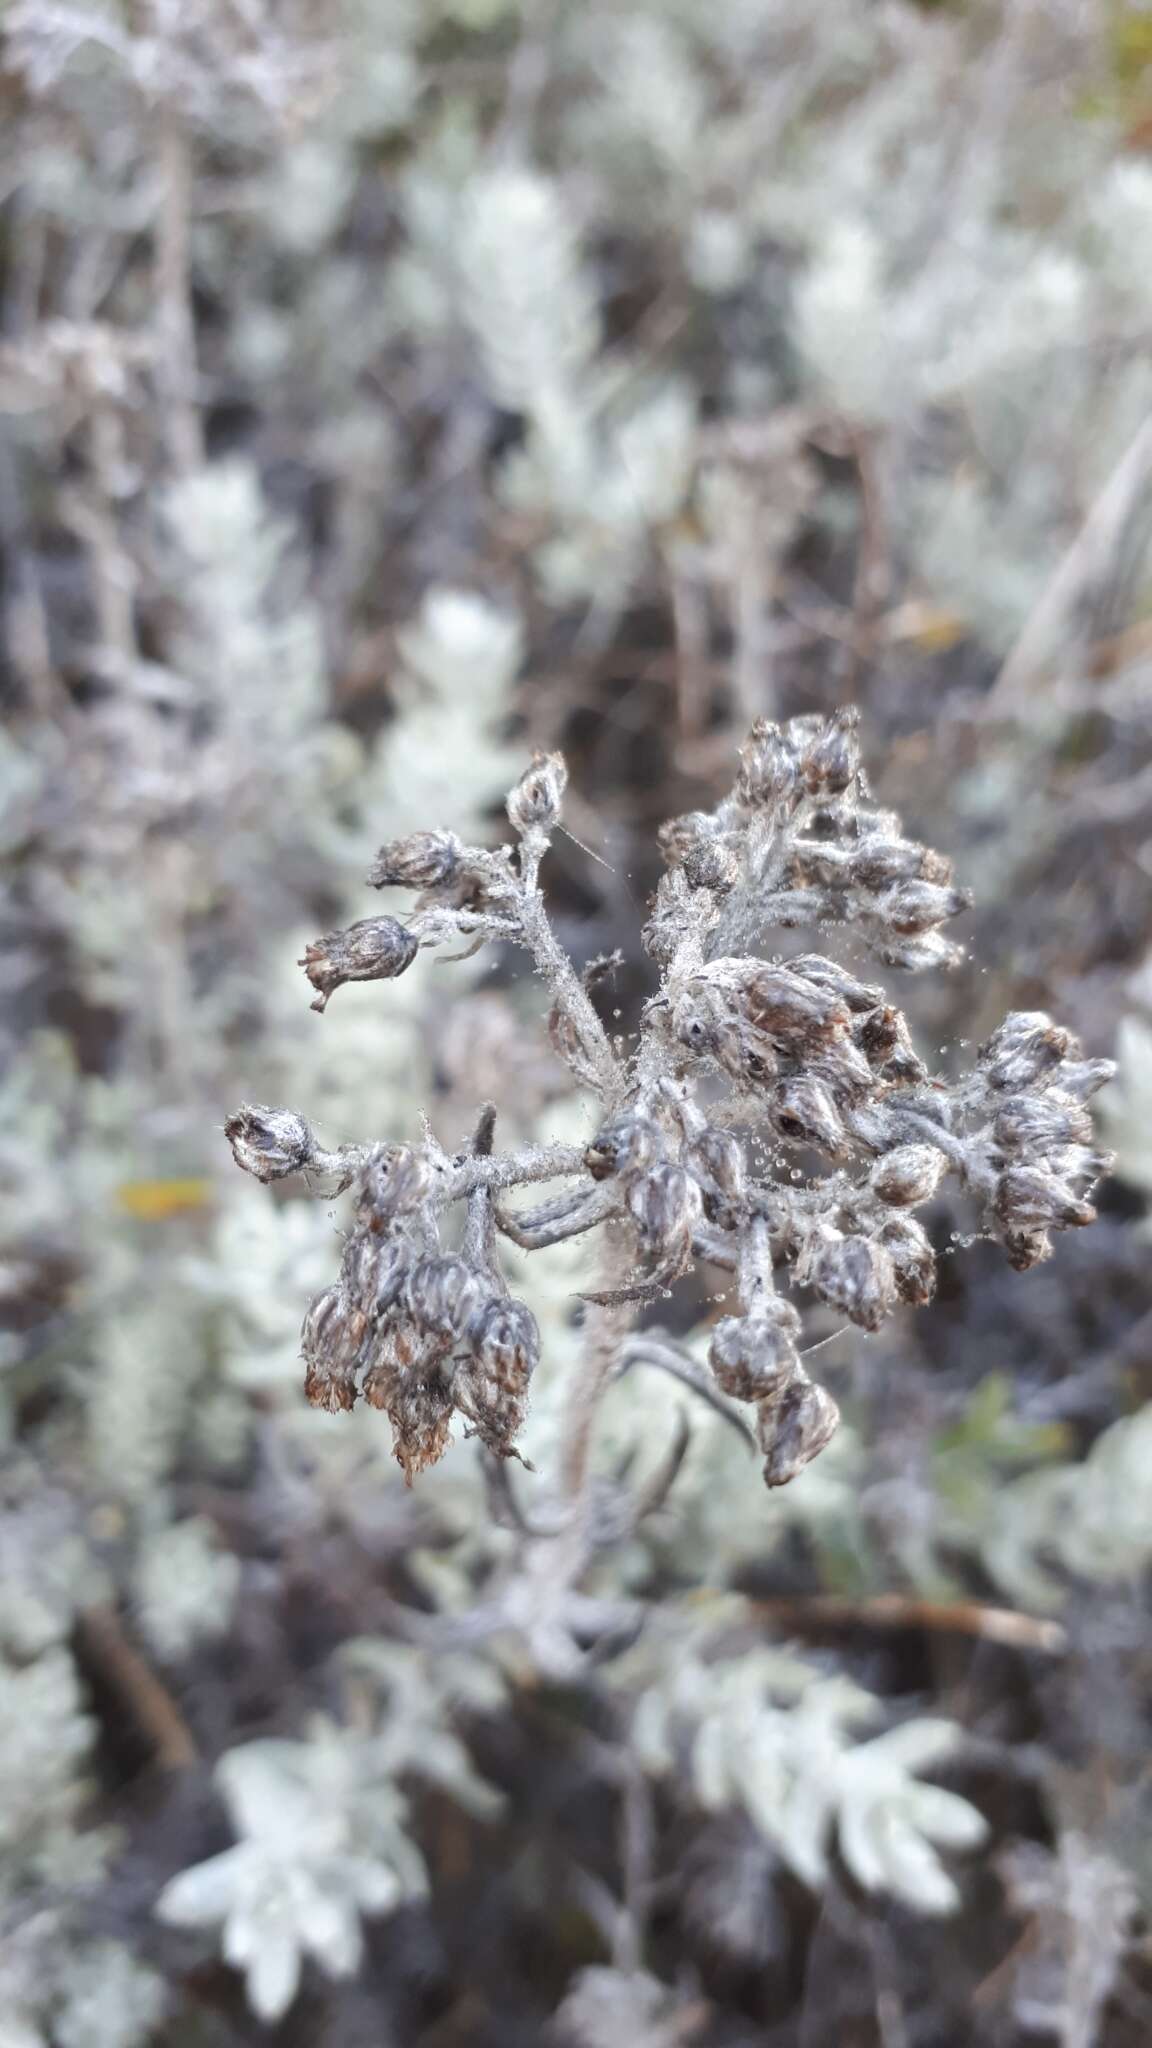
[{"x": 743, "y": 1066}]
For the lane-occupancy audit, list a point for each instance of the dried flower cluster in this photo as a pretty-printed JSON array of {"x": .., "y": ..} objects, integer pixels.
[{"x": 742, "y": 1065}]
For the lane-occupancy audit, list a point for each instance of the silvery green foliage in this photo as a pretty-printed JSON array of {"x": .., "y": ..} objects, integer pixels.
[
  {"x": 761, "y": 1730},
  {"x": 1090, "y": 1521},
  {"x": 615, "y": 2008},
  {"x": 1126, "y": 1108},
  {"x": 185, "y": 1587},
  {"x": 45, "y": 1737},
  {"x": 1080, "y": 1904},
  {"x": 321, "y": 1841},
  {"x": 322, "y": 1825},
  {"x": 60, "y": 1990},
  {"x": 459, "y": 656}
]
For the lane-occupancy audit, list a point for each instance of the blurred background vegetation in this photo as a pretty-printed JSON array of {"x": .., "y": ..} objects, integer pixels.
[{"x": 388, "y": 387}]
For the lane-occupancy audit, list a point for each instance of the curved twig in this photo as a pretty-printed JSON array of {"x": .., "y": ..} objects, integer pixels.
[{"x": 652, "y": 1348}]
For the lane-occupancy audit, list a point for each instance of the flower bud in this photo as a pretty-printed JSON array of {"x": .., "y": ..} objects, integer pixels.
[
  {"x": 856, "y": 1276},
  {"x": 628, "y": 1144},
  {"x": 831, "y": 762},
  {"x": 914, "y": 907},
  {"x": 883, "y": 1037},
  {"x": 268, "y": 1142},
  {"x": 860, "y": 996},
  {"x": 804, "y": 1113},
  {"x": 1025, "y": 1047},
  {"x": 715, "y": 1159},
  {"x": 796, "y": 1014},
  {"x": 1041, "y": 1123},
  {"x": 878, "y": 862},
  {"x": 443, "y": 1295},
  {"x": 752, "y": 1355},
  {"x": 666, "y": 1207},
  {"x": 908, "y": 1175},
  {"x": 534, "y": 804},
  {"x": 376, "y": 949},
  {"x": 373, "y": 1271},
  {"x": 1033, "y": 1198},
  {"x": 505, "y": 1344},
  {"x": 913, "y": 1259},
  {"x": 695, "y": 844},
  {"x": 424, "y": 860},
  {"x": 768, "y": 766},
  {"x": 395, "y": 1180},
  {"x": 793, "y": 1427}
]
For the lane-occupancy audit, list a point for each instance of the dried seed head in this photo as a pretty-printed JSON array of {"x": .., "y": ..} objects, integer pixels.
[
  {"x": 876, "y": 863},
  {"x": 1041, "y": 1122},
  {"x": 830, "y": 763},
  {"x": 793, "y": 1428},
  {"x": 1034, "y": 1198},
  {"x": 913, "y": 1259},
  {"x": 860, "y": 996},
  {"x": 418, "y": 1401},
  {"x": 268, "y": 1142},
  {"x": 376, "y": 949},
  {"x": 394, "y": 1182},
  {"x": 715, "y": 1159},
  {"x": 629, "y": 1144},
  {"x": 769, "y": 766},
  {"x": 804, "y": 1113},
  {"x": 505, "y": 1344},
  {"x": 883, "y": 1037},
  {"x": 856, "y": 1275},
  {"x": 373, "y": 1271},
  {"x": 666, "y": 1206},
  {"x": 424, "y": 860},
  {"x": 908, "y": 1175},
  {"x": 534, "y": 803},
  {"x": 695, "y": 843},
  {"x": 794, "y": 1012},
  {"x": 331, "y": 1342},
  {"x": 752, "y": 1355},
  {"x": 443, "y": 1295},
  {"x": 1025, "y": 1047},
  {"x": 911, "y": 908},
  {"x": 496, "y": 1409}
]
